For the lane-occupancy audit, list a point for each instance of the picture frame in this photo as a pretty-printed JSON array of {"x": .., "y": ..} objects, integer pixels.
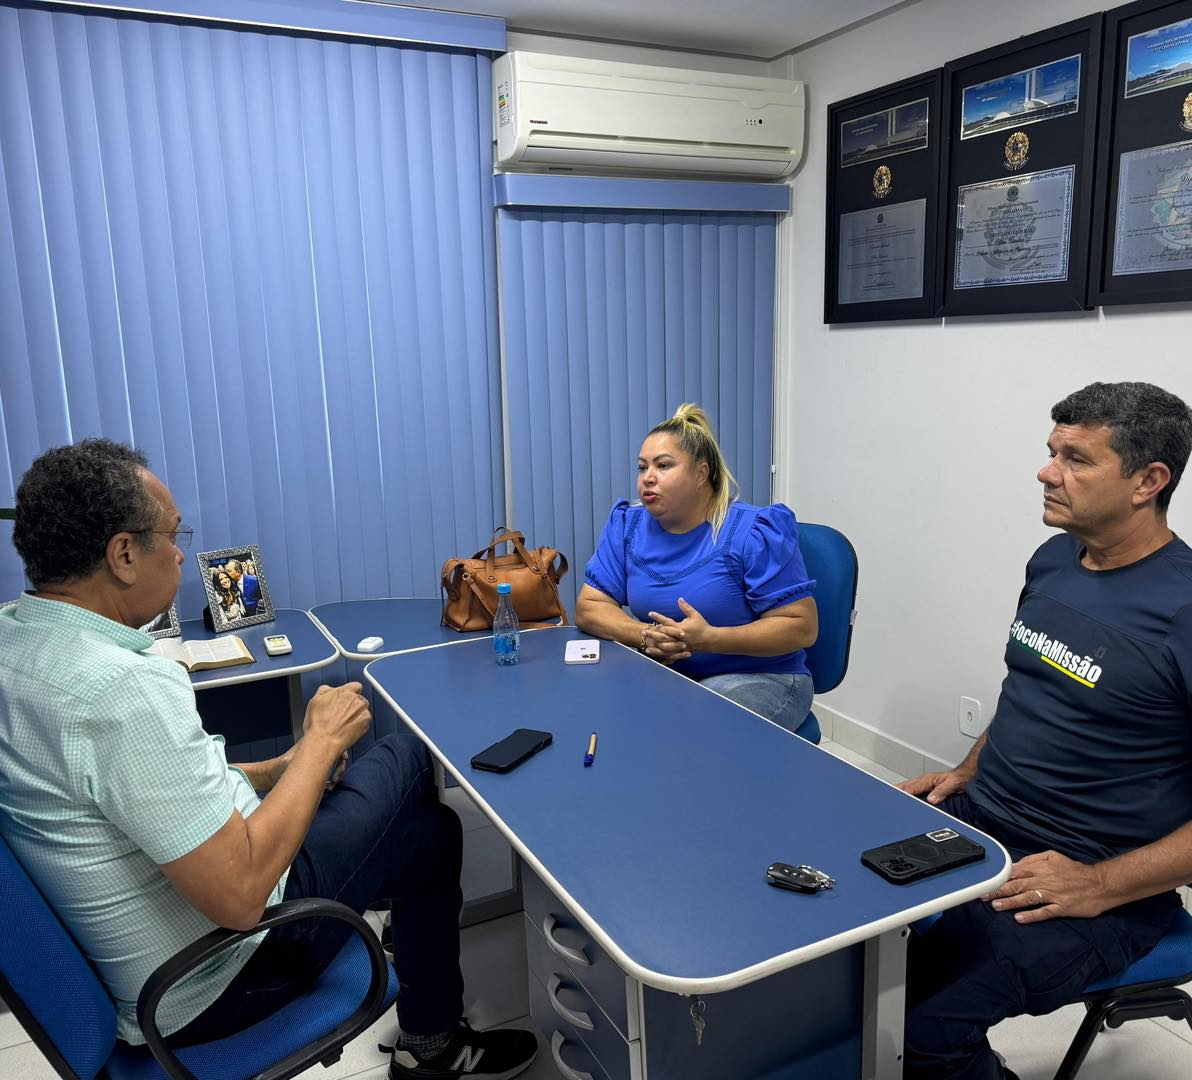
[
  {"x": 243, "y": 599},
  {"x": 882, "y": 203},
  {"x": 1016, "y": 203},
  {"x": 1142, "y": 226},
  {"x": 166, "y": 625}
]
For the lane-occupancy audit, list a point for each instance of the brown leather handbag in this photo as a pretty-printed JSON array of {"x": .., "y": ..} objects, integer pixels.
[{"x": 470, "y": 585}]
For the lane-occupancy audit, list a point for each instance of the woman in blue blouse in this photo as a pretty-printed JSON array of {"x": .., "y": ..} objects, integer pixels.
[{"x": 714, "y": 586}]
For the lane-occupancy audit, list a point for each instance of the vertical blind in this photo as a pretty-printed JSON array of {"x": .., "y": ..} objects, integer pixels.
[
  {"x": 268, "y": 260},
  {"x": 609, "y": 322}
]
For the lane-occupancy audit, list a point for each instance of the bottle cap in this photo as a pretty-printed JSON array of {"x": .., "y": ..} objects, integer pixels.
[{"x": 504, "y": 589}]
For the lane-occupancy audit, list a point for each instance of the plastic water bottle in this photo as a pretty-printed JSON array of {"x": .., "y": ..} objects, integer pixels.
[{"x": 506, "y": 631}]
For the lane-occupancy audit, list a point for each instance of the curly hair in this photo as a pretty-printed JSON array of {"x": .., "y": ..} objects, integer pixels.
[
  {"x": 1146, "y": 424},
  {"x": 72, "y": 501}
]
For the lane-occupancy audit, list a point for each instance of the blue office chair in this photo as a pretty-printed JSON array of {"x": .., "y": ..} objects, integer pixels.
[
  {"x": 832, "y": 562},
  {"x": 60, "y": 1002},
  {"x": 1148, "y": 987}
]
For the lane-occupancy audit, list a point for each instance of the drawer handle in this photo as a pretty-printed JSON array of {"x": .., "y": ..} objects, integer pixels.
[
  {"x": 576, "y": 956},
  {"x": 556, "y": 1051},
  {"x": 575, "y": 1019}
]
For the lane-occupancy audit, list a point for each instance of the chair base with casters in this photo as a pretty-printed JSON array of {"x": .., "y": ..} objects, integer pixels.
[
  {"x": 57, "y": 998},
  {"x": 1149, "y": 987}
]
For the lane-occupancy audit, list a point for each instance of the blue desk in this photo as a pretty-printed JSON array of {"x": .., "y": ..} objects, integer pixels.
[
  {"x": 657, "y": 854},
  {"x": 404, "y": 622},
  {"x": 311, "y": 650}
]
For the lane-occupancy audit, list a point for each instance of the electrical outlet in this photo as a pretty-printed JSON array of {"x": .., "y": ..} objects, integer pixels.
[{"x": 968, "y": 715}]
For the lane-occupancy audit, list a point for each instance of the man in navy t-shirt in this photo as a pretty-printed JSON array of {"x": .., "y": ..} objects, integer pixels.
[{"x": 1085, "y": 772}]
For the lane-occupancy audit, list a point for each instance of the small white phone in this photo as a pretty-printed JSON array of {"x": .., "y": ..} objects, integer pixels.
[
  {"x": 582, "y": 652},
  {"x": 277, "y": 644}
]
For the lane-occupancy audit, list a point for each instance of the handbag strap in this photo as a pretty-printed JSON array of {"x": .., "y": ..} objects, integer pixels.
[
  {"x": 549, "y": 579},
  {"x": 517, "y": 539},
  {"x": 501, "y": 535}
]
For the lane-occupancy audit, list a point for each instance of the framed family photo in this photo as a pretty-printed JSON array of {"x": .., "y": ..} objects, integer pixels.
[
  {"x": 234, "y": 581},
  {"x": 166, "y": 625}
]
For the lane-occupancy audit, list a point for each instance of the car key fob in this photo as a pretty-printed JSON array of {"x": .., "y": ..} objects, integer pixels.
[{"x": 802, "y": 878}]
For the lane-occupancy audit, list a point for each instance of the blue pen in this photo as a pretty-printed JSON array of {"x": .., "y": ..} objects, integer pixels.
[{"x": 590, "y": 756}]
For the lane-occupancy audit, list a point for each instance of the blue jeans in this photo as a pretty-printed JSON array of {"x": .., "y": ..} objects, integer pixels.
[
  {"x": 380, "y": 834},
  {"x": 785, "y": 699},
  {"x": 975, "y": 966}
]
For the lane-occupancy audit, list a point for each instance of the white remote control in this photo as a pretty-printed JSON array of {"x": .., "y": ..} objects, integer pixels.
[
  {"x": 277, "y": 644},
  {"x": 582, "y": 652}
]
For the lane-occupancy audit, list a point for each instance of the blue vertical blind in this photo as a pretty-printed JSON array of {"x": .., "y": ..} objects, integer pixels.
[
  {"x": 267, "y": 260},
  {"x": 609, "y": 322}
]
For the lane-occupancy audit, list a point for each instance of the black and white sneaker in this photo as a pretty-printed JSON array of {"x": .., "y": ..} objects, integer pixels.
[{"x": 484, "y": 1055}]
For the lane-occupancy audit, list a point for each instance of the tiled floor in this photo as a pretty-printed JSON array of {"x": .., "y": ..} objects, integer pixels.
[{"x": 494, "y": 969}]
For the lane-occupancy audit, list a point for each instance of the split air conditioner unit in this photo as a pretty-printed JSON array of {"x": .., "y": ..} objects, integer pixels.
[{"x": 567, "y": 114}]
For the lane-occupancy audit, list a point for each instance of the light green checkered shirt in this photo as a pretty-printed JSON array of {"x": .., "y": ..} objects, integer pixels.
[{"x": 105, "y": 774}]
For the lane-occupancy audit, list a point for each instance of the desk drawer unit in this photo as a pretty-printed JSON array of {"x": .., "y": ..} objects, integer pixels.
[
  {"x": 560, "y": 1040},
  {"x": 605, "y": 982},
  {"x": 570, "y": 1002},
  {"x": 799, "y": 1024}
]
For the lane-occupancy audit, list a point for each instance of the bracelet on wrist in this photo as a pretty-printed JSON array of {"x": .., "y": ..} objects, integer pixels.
[{"x": 641, "y": 645}]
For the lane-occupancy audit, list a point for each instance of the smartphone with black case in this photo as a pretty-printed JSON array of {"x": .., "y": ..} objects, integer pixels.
[
  {"x": 512, "y": 750},
  {"x": 923, "y": 855}
]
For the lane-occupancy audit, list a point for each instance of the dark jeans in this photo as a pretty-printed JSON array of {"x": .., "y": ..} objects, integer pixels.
[
  {"x": 975, "y": 967},
  {"x": 380, "y": 834}
]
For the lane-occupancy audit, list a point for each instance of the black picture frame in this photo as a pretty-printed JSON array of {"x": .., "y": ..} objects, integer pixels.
[
  {"x": 912, "y": 173},
  {"x": 252, "y": 603},
  {"x": 1144, "y": 122},
  {"x": 1038, "y": 154}
]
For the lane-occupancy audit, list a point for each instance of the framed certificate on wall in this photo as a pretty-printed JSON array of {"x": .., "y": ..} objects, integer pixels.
[
  {"x": 1017, "y": 201},
  {"x": 1142, "y": 242},
  {"x": 883, "y": 190}
]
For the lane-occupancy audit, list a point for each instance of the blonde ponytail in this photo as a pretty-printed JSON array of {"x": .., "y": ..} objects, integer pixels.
[{"x": 693, "y": 432}]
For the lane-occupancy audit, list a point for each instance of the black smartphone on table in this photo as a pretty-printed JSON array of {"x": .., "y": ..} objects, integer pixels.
[
  {"x": 923, "y": 855},
  {"x": 511, "y": 750}
]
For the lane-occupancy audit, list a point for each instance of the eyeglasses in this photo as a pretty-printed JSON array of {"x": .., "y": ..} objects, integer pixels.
[{"x": 179, "y": 537}]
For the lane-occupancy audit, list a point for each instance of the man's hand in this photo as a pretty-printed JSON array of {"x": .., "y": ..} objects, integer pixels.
[
  {"x": 277, "y": 766},
  {"x": 937, "y": 786},
  {"x": 339, "y": 714},
  {"x": 1050, "y": 885}
]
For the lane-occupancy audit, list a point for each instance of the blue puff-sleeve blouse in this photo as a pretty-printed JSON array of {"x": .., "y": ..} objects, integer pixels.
[{"x": 753, "y": 566}]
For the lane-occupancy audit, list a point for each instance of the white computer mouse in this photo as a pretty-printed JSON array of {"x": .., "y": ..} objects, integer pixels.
[{"x": 369, "y": 644}]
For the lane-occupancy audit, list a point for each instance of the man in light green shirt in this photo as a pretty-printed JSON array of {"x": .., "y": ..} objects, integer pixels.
[{"x": 142, "y": 838}]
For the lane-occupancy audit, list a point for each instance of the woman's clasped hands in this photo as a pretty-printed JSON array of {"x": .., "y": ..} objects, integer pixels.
[{"x": 669, "y": 640}]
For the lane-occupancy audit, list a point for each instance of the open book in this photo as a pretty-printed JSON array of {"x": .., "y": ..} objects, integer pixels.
[{"x": 225, "y": 651}]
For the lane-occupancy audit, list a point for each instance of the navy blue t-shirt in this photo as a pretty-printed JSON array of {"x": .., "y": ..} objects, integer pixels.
[{"x": 1090, "y": 751}]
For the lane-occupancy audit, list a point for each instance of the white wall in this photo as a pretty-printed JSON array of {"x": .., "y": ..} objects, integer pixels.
[{"x": 920, "y": 441}]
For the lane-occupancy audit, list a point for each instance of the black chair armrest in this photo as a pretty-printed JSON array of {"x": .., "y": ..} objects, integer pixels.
[{"x": 184, "y": 962}]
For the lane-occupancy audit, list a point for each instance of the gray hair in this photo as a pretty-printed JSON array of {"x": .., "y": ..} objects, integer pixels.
[
  {"x": 72, "y": 501},
  {"x": 1147, "y": 424}
]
